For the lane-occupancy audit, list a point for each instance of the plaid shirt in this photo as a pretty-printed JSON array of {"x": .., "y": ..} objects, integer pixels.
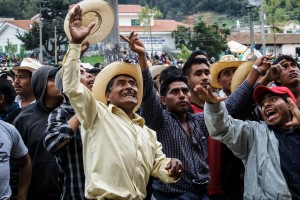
[
  {"x": 176, "y": 144},
  {"x": 69, "y": 158}
]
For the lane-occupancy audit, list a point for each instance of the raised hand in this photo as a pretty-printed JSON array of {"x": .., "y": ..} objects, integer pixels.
[
  {"x": 274, "y": 72},
  {"x": 77, "y": 30},
  {"x": 174, "y": 167},
  {"x": 207, "y": 94},
  {"x": 135, "y": 43},
  {"x": 295, "y": 112},
  {"x": 264, "y": 62}
]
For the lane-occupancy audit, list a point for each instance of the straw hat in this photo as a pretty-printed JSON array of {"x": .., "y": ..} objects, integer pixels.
[
  {"x": 27, "y": 64},
  {"x": 227, "y": 61},
  {"x": 93, "y": 11},
  {"x": 112, "y": 70},
  {"x": 156, "y": 70},
  {"x": 240, "y": 75}
]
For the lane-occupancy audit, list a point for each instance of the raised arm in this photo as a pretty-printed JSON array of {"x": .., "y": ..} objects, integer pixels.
[
  {"x": 236, "y": 134},
  {"x": 80, "y": 97},
  {"x": 151, "y": 108}
]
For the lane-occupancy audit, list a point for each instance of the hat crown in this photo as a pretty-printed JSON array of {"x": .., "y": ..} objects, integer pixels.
[
  {"x": 228, "y": 58},
  {"x": 28, "y": 64}
]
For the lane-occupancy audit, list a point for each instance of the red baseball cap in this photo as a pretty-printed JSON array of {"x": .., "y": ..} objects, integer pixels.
[{"x": 262, "y": 90}]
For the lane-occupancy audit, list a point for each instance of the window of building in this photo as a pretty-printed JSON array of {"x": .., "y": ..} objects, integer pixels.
[
  {"x": 135, "y": 22},
  {"x": 271, "y": 51}
]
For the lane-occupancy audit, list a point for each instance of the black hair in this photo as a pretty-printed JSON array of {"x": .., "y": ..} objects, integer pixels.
[
  {"x": 188, "y": 65},
  {"x": 196, "y": 53},
  {"x": 280, "y": 58},
  {"x": 7, "y": 89},
  {"x": 169, "y": 71},
  {"x": 284, "y": 57},
  {"x": 164, "y": 88}
]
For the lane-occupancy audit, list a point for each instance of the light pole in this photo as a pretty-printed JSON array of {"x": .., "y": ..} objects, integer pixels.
[
  {"x": 41, "y": 33},
  {"x": 251, "y": 27}
]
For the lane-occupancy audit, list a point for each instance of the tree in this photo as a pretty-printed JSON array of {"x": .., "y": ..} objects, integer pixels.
[
  {"x": 145, "y": 17},
  {"x": 185, "y": 53},
  {"x": 210, "y": 38},
  {"x": 53, "y": 14},
  {"x": 182, "y": 36}
]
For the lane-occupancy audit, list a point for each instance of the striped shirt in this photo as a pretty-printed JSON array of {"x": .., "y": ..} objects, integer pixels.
[
  {"x": 69, "y": 158},
  {"x": 176, "y": 144}
]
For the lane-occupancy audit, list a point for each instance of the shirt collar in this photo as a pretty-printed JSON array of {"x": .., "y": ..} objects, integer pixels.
[{"x": 137, "y": 119}]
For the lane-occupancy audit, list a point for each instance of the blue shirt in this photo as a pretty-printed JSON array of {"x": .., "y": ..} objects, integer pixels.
[
  {"x": 176, "y": 144},
  {"x": 289, "y": 151}
]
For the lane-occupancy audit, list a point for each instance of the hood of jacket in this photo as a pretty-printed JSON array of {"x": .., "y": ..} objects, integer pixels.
[{"x": 39, "y": 81}]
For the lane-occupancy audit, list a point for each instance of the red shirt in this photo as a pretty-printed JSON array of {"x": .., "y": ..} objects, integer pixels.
[{"x": 213, "y": 161}]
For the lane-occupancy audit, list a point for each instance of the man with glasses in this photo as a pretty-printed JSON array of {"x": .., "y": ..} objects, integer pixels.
[{"x": 22, "y": 82}]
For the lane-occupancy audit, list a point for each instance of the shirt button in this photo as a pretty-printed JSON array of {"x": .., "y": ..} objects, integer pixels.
[
  {"x": 293, "y": 162},
  {"x": 290, "y": 147}
]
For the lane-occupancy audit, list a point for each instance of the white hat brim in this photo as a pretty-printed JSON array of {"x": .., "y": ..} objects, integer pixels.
[{"x": 93, "y": 11}]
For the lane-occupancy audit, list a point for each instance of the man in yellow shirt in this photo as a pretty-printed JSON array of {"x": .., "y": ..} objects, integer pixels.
[{"x": 119, "y": 151}]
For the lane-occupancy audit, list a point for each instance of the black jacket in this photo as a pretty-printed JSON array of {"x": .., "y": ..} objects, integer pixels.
[{"x": 32, "y": 123}]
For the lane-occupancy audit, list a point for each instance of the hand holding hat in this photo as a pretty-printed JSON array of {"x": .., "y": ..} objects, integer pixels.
[{"x": 77, "y": 30}]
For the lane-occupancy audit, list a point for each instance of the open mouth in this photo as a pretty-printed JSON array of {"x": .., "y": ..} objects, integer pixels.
[
  {"x": 128, "y": 95},
  {"x": 91, "y": 82},
  {"x": 270, "y": 114},
  {"x": 293, "y": 75}
]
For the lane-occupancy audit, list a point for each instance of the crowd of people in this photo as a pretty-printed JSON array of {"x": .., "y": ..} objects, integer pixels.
[{"x": 226, "y": 130}]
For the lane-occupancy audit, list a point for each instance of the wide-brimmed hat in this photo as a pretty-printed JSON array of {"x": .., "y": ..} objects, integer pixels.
[
  {"x": 93, "y": 11},
  {"x": 27, "y": 64},
  {"x": 240, "y": 75},
  {"x": 115, "y": 69},
  {"x": 225, "y": 62},
  {"x": 156, "y": 70},
  {"x": 262, "y": 90}
]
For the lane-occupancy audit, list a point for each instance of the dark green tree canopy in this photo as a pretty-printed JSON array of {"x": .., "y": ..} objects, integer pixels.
[{"x": 210, "y": 38}]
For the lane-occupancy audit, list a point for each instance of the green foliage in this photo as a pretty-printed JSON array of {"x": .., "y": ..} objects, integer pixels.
[
  {"x": 185, "y": 53},
  {"x": 210, "y": 38},
  {"x": 93, "y": 59},
  {"x": 10, "y": 48},
  {"x": 145, "y": 16}
]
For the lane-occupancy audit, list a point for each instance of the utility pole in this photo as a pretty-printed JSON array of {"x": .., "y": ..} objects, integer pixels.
[
  {"x": 251, "y": 27},
  {"x": 41, "y": 33},
  {"x": 262, "y": 24},
  {"x": 55, "y": 43}
]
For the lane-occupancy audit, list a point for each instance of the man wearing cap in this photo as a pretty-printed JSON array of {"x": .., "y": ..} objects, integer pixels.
[
  {"x": 119, "y": 151},
  {"x": 269, "y": 149},
  {"x": 32, "y": 123},
  {"x": 22, "y": 82}
]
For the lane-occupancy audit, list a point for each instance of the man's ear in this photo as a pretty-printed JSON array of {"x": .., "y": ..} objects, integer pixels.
[
  {"x": 163, "y": 100},
  {"x": 107, "y": 96}
]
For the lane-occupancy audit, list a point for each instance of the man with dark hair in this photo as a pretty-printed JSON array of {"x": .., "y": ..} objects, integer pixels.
[
  {"x": 181, "y": 133},
  {"x": 109, "y": 122},
  {"x": 197, "y": 71},
  {"x": 32, "y": 123},
  {"x": 288, "y": 75},
  {"x": 269, "y": 149},
  {"x": 9, "y": 109},
  {"x": 198, "y": 54}
]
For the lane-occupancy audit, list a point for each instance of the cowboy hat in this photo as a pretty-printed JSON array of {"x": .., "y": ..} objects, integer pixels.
[
  {"x": 115, "y": 69},
  {"x": 227, "y": 61},
  {"x": 240, "y": 74},
  {"x": 156, "y": 70},
  {"x": 27, "y": 64},
  {"x": 93, "y": 11}
]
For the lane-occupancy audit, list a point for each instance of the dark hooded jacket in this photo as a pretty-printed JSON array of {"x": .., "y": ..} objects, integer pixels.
[{"x": 32, "y": 123}]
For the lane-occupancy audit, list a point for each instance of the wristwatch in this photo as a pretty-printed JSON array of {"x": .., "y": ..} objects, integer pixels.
[{"x": 259, "y": 70}]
